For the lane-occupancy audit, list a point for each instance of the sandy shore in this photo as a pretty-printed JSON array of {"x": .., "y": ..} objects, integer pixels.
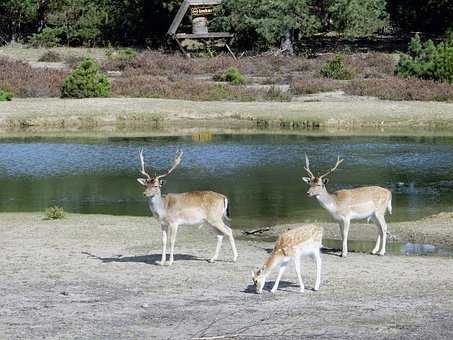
[
  {"x": 94, "y": 276},
  {"x": 341, "y": 112}
]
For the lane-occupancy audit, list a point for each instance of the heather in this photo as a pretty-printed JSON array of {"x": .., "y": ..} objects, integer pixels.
[{"x": 22, "y": 80}]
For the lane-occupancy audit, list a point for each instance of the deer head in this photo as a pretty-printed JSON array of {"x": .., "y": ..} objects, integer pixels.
[
  {"x": 318, "y": 183},
  {"x": 258, "y": 280},
  {"x": 153, "y": 184}
]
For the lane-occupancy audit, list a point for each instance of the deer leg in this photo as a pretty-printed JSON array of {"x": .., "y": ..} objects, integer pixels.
[
  {"x": 225, "y": 230},
  {"x": 317, "y": 258},
  {"x": 283, "y": 265},
  {"x": 383, "y": 227},
  {"x": 298, "y": 271},
  {"x": 378, "y": 240},
  {"x": 164, "y": 246},
  {"x": 345, "y": 231},
  {"x": 217, "y": 249},
  {"x": 173, "y": 229}
]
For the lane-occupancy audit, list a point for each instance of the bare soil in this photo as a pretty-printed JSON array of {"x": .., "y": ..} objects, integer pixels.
[{"x": 95, "y": 276}]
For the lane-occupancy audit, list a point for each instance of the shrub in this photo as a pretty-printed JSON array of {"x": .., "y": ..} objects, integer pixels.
[
  {"x": 54, "y": 213},
  {"x": 232, "y": 75},
  {"x": 161, "y": 87},
  {"x": 50, "y": 56},
  {"x": 427, "y": 61},
  {"x": 24, "y": 81},
  {"x": 314, "y": 85},
  {"x": 86, "y": 81},
  {"x": 5, "y": 95},
  {"x": 336, "y": 69},
  {"x": 394, "y": 88},
  {"x": 48, "y": 37},
  {"x": 120, "y": 59}
]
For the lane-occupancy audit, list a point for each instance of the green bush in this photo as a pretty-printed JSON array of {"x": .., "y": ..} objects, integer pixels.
[
  {"x": 48, "y": 37},
  {"x": 50, "y": 56},
  {"x": 54, "y": 213},
  {"x": 86, "y": 80},
  {"x": 5, "y": 95},
  {"x": 427, "y": 61},
  {"x": 336, "y": 69},
  {"x": 123, "y": 54},
  {"x": 233, "y": 76}
]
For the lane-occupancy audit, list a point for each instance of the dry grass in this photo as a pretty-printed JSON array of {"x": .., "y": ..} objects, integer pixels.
[
  {"x": 160, "y": 87},
  {"x": 393, "y": 88},
  {"x": 302, "y": 86},
  {"x": 162, "y": 75},
  {"x": 24, "y": 81}
]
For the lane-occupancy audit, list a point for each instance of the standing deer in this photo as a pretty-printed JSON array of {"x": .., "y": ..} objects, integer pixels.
[
  {"x": 346, "y": 205},
  {"x": 293, "y": 244},
  {"x": 188, "y": 208}
]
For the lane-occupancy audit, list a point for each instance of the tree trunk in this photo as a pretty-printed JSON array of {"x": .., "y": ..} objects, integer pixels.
[{"x": 287, "y": 42}]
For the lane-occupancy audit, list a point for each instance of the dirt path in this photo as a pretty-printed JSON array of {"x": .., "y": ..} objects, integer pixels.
[
  {"x": 94, "y": 276},
  {"x": 98, "y": 112}
]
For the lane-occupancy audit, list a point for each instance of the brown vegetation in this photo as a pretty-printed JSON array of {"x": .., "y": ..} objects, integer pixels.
[
  {"x": 393, "y": 88},
  {"x": 159, "y": 75},
  {"x": 24, "y": 81}
]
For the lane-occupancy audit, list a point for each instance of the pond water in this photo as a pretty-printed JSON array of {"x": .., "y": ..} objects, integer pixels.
[{"x": 261, "y": 174}]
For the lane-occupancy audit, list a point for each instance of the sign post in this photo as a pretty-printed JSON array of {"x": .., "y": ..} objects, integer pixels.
[{"x": 199, "y": 10}]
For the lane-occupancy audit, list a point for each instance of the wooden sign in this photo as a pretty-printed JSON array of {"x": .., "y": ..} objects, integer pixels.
[{"x": 198, "y": 11}]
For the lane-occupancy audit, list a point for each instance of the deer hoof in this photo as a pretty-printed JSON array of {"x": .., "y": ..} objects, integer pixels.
[
  {"x": 273, "y": 290},
  {"x": 161, "y": 263},
  {"x": 381, "y": 253},
  {"x": 211, "y": 260},
  {"x": 344, "y": 254}
]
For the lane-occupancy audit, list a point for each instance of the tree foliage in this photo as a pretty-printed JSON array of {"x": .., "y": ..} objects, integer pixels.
[
  {"x": 86, "y": 81},
  {"x": 427, "y": 61},
  {"x": 259, "y": 23},
  {"x": 358, "y": 17},
  {"x": 269, "y": 20}
]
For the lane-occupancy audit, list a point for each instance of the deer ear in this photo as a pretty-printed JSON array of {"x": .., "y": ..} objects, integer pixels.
[
  {"x": 142, "y": 181},
  {"x": 325, "y": 181},
  {"x": 306, "y": 179},
  {"x": 162, "y": 182},
  {"x": 253, "y": 274}
]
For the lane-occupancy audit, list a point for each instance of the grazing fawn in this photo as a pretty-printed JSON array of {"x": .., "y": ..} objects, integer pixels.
[
  {"x": 346, "y": 205},
  {"x": 292, "y": 244},
  {"x": 189, "y": 208}
]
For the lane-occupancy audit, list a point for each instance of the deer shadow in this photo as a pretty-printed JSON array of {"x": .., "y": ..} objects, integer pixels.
[
  {"x": 250, "y": 289},
  {"x": 148, "y": 259}
]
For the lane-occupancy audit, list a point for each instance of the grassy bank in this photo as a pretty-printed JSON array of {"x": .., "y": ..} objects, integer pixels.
[{"x": 146, "y": 113}]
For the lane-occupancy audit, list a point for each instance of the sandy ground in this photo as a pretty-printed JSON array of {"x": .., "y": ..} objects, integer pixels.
[
  {"x": 66, "y": 113},
  {"x": 94, "y": 276}
]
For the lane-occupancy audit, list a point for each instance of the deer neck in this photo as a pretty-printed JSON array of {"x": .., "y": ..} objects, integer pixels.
[
  {"x": 328, "y": 201},
  {"x": 157, "y": 206}
]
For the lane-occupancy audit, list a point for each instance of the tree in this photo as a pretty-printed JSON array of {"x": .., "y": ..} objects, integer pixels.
[
  {"x": 17, "y": 18},
  {"x": 358, "y": 17},
  {"x": 269, "y": 22}
]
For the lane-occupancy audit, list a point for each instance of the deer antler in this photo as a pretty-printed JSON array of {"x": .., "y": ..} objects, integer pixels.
[
  {"x": 142, "y": 163},
  {"x": 339, "y": 161},
  {"x": 176, "y": 162},
  {"x": 307, "y": 167}
]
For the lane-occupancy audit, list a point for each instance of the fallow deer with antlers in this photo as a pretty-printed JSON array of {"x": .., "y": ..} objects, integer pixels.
[
  {"x": 345, "y": 205},
  {"x": 189, "y": 208}
]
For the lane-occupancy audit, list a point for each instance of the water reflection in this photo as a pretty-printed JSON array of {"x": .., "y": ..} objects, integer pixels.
[{"x": 259, "y": 173}]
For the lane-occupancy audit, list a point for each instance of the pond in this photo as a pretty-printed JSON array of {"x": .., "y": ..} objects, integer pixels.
[{"x": 260, "y": 173}]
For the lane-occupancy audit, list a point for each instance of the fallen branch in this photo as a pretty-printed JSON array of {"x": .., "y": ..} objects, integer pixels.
[
  {"x": 218, "y": 337},
  {"x": 256, "y": 231}
]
